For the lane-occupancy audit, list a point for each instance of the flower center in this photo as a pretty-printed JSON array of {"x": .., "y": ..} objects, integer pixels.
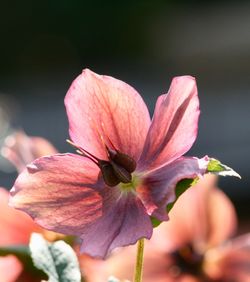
[
  {"x": 131, "y": 186},
  {"x": 118, "y": 168},
  {"x": 188, "y": 260}
]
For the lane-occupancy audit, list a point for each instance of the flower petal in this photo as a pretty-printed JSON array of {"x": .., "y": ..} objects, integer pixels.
[
  {"x": 104, "y": 107},
  {"x": 156, "y": 265},
  {"x": 21, "y": 149},
  {"x": 60, "y": 193},
  {"x": 15, "y": 226},
  {"x": 158, "y": 188},
  {"x": 124, "y": 221},
  {"x": 10, "y": 268},
  {"x": 230, "y": 260},
  {"x": 174, "y": 126},
  {"x": 220, "y": 211}
]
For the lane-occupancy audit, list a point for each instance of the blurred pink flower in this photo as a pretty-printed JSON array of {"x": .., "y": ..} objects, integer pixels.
[
  {"x": 21, "y": 149},
  {"x": 127, "y": 168},
  {"x": 194, "y": 245}
]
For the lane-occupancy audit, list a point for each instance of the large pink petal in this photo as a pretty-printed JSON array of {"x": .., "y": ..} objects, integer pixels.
[
  {"x": 60, "y": 192},
  {"x": 103, "y": 107},
  {"x": 158, "y": 187},
  {"x": 174, "y": 126},
  {"x": 124, "y": 221}
]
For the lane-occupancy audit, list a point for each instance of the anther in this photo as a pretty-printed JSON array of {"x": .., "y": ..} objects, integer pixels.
[
  {"x": 117, "y": 169},
  {"x": 122, "y": 159}
]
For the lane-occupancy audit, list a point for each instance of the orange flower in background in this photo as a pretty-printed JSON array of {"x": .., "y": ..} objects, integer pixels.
[
  {"x": 15, "y": 229},
  {"x": 193, "y": 246},
  {"x": 16, "y": 226}
]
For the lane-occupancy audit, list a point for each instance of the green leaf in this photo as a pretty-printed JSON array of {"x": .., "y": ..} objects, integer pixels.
[
  {"x": 20, "y": 251},
  {"x": 216, "y": 167},
  {"x": 181, "y": 187},
  {"x": 57, "y": 259}
]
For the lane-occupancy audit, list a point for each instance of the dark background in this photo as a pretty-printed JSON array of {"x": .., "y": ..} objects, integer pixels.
[{"x": 45, "y": 45}]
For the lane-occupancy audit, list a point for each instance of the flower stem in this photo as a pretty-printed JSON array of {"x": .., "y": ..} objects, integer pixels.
[{"x": 139, "y": 261}]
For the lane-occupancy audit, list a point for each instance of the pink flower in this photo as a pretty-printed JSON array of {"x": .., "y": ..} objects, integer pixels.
[{"x": 127, "y": 168}]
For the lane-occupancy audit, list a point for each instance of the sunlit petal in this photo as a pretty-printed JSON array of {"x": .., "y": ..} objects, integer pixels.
[
  {"x": 158, "y": 187},
  {"x": 59, "y": 192},
  {"x": 174, "y": 126},
  {"x": 101, "y": 107},
  {"x": 124, "y": 221}
]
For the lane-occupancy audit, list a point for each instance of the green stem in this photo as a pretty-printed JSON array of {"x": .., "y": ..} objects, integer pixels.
[{"x": 139, "y": 261}]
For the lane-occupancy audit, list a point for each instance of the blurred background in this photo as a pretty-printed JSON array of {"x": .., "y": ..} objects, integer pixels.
[{"x": 46, "y": 44}]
